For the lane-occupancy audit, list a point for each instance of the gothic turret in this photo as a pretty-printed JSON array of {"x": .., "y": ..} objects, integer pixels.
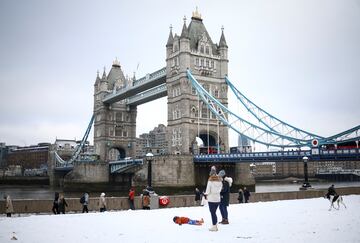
[
  {"x": 169, "y": 44},
  {"x": 184, "y": 39},
  {"x": 222, "y": 42}
]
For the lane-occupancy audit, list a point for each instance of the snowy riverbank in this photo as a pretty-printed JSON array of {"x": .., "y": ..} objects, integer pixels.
[{"x": 306, "y": 220}]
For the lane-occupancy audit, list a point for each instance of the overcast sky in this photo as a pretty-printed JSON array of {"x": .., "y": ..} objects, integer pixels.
[{"x": 299, "y": 60}]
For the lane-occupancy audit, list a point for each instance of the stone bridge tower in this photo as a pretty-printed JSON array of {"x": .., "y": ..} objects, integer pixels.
[
  {"x": 188, "y": 117},
  {"x": 115, "y": 124}
]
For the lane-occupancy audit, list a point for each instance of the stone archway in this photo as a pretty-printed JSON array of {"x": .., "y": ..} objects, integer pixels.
[{"x": 116, "y": 153}]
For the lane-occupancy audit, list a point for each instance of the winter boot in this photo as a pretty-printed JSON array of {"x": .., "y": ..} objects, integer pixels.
[
  {"x": 224, "y": 221},
  {"x": 214, "y": 228}
]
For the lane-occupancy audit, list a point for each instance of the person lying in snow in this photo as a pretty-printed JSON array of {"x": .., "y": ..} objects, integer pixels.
[{"x": 186, "y": 220}]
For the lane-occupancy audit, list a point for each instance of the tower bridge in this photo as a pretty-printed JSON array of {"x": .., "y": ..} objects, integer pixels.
[{"x": 196, "y": 85}]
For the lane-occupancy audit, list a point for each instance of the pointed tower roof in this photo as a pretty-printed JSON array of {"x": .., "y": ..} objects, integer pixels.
[
  {"x": 170, "y": 39},
  {"x": 115, "y": 73},
  {"x": 222, "y": 42},
  {"x": 197, "y": 30},
  {"x": 104, "y": 75},
  {"x": 97, "y": 80},
  {"x": 184, "y": 32}
]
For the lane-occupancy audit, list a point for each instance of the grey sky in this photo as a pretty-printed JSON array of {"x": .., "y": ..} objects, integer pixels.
[{"x": 299, "y": 60}]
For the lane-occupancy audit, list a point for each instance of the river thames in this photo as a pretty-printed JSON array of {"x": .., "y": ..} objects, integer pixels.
[{"x": 45, "y": 192}]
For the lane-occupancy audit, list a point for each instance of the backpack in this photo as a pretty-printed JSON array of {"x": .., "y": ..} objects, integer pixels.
[{"x": 82, "y": 199}]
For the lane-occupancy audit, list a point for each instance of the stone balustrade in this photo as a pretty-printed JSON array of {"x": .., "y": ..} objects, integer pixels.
[{"x": 34, "y": 206}]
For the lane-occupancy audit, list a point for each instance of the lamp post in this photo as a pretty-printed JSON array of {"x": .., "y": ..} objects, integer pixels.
[
  {"x": 306, "y": 182},
  {"x": 149, "y": 159}
]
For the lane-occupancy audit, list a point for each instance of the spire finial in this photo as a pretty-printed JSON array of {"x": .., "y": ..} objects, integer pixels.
[
  {"x": 196, "y": 14},
  {"x": 222, "y": 28},
  {"x": 116, "y": 62},
  {"x": 98, "y": 73},
  {"x": 171, "y": 27},
  {"x": 184, "y": 19}
]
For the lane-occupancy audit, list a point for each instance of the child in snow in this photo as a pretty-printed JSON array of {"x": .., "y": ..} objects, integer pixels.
[{"x": 186, "y": 220}]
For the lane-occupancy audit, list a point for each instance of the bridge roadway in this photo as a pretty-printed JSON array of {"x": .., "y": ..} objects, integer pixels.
[
  {"x": 282, "y": 156},
  {"x": 148, "y": 88}
]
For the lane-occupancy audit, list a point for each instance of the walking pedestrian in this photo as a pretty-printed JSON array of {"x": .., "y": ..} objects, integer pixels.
[
  {"x": 241, "y": 196},
  {"x": 62, "y": 204},
  {"x": 197, "y": 196},
  {"x": 102, "y": 202},
  {"x": 131, "y": 198},
  {"x": 55, "y": 207},
  {"x": 212, "y": 193},
  {"x": 246, "y": 195},
  {"x": 85, "y": 202},
  {"x": 146, "y": 200},
  {"x": 9, "y": 206},
  {"x": 225, "y": 196}
]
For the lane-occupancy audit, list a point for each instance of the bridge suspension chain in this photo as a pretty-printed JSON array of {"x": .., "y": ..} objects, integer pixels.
[
  {"x": 76, "y": 153},
  {"x": 270, "y": 121},
  {"x": 241, "y": 126}
]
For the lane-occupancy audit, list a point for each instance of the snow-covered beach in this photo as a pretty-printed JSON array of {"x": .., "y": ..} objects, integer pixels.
[{"x": 306, "y": 220}]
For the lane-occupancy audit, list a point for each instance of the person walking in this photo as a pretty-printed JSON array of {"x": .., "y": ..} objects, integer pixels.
[
  {"x": 225, "y": 196},
  {"x": 146, "y": 200},
  {"x": 55, "y": 207},
  {"x": 9, "y": 209},
  {"x": 102, "y": 202},
  {"x": 241, "y": 196},
  {"x": 85, "y": 202},
  {"x": 212, "y": 193},
  {"x": 197, "y": 196},
  {"x": 246, "y": 195},
  {"x": 62, "y": 204},
  {"x": 131, "y": 198}
]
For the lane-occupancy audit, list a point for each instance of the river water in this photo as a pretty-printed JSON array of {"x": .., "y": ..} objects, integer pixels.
[{"x": 45, "y": 192}]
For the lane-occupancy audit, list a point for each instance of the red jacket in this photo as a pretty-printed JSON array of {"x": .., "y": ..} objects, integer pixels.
[
  {"x": 182, "y": 220},
  {"x": 131, "y": 194}
]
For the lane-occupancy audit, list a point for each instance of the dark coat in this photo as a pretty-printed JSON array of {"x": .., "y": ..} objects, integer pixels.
[
  {"x": 197, "y": 195},
  {"x": 62, "y": 205},
  {"x": 225, "y": 193},
  {"x": 246, "y": 195}
]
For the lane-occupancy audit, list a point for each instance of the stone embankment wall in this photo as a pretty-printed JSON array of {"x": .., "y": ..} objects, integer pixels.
[{"x": 121, "y": 203}]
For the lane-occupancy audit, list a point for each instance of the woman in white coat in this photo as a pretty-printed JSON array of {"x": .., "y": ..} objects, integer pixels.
[{"x": 212, "y": 193}]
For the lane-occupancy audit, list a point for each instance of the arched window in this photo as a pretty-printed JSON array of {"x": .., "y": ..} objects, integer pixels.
[{"x": 201, "y": 49}]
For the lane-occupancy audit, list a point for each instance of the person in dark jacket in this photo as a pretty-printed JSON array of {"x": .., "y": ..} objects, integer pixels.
[
  {"x": 241, "y": 196},
  {"x": 62, "y": 204},
  {"x": 55, "y": 207},
  {"x": 246, "y": 195},
  {"x": 197, "y": 196},
  {"x": 224, "y": 196},
  {"x": 85, "y": 203}
]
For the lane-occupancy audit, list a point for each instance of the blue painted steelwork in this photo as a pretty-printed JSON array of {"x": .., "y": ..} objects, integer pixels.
[
  {"x": 147, "y": 82},
  {"x": 281, "y": 156},
  {"x": 276, "y": 132},
  {"x": 245, "y": 128},
  {"x": 270, "y": 121},
  {"x": 59, "y": 162},
  {"x": 123, "y": 165}
]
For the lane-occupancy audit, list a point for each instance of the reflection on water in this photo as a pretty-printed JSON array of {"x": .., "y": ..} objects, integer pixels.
[{"x": 45, "y": 192}]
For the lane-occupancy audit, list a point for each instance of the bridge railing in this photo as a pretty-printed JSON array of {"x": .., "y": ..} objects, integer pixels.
[
  {"x": 122, "y": 165},
  {"x": 149, "y": 77},
  {"x": 245, "y": 157},
  {"x": 151, "y": 92}
]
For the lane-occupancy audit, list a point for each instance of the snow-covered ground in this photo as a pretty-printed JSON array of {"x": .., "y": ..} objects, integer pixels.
[{"x": 306, "y": 220}]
